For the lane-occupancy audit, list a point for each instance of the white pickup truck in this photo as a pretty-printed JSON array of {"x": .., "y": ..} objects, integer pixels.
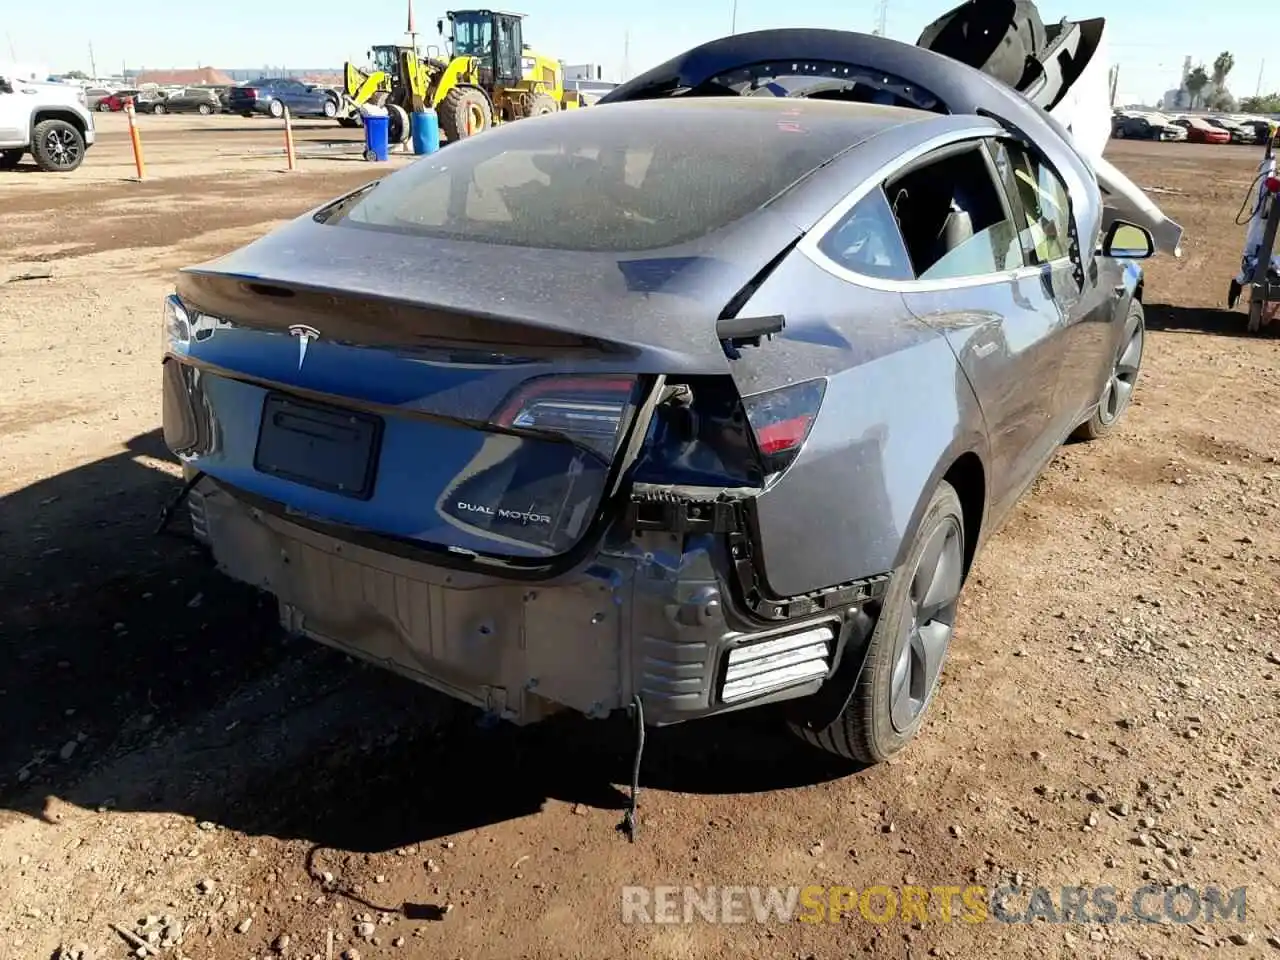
[{"x": 48, "y": 120}]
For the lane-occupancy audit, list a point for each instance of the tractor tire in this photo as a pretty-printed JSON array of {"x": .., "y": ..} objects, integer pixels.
[
  {"x": 398, "y": 130},
  {"x": 459, "y": 104},
  {"x": 541, "y": 104}
]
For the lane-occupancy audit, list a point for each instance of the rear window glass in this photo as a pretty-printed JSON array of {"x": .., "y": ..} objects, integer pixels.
[{"x": 622, "y": 177}]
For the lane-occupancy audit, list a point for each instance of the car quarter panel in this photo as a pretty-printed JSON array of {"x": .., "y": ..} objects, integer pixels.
[{"x": 897, "y": 412}]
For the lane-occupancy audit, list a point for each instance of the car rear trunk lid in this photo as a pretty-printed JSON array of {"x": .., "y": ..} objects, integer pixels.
[{"x": 469, "y": 397}]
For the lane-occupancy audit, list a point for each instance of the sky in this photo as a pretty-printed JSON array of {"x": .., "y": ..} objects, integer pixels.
[{"x": 1149, "y": 40}]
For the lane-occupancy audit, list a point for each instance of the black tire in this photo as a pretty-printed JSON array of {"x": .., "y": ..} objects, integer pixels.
[
  {"x": 276, "y": 109},
  {"x": 867, "y": 730},
  {"x": 11, "y": 158},
  {"x": 542, "y": 104},
  {"x": 1122, "y": 379},
  {"x": 157, "y": 108},
  {"x": 458, "y": 104},
  {"x": 57, "y": 146},
  {"x": 204, "y": 109},
  {"x": 102, "y": 108},
  {"x": 330, "y": 108}
]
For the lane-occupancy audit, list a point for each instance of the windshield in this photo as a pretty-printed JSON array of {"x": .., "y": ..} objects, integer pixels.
[
  {"x": 634, "y": 177},
  {"x": 472, "y": 35}
]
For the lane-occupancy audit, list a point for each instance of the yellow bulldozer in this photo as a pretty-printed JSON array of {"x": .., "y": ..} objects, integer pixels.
[{"x": 489, "y": 76}]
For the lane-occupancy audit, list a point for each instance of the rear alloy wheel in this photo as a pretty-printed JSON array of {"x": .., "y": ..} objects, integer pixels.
[
  {"x": 10, "y": 158},
  {"x": 158, "y": 108},
  {"x": 58, "y": 147},
  {"x": 204, "y": 109},
  {"x": 909, "y": 644},
  {"x": 1122, "y": 379},
  {"x": 330, "y": 109},
  {"x": 276, "y": 109}
]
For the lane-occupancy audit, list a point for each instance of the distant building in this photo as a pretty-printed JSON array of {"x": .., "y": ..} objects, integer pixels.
[{"x": 203, "y": 76}]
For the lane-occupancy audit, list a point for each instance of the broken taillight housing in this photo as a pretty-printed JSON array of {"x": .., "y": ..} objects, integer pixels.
[
  {"x": 587, "y": 409},
  {"x": 781, "y": 419}
]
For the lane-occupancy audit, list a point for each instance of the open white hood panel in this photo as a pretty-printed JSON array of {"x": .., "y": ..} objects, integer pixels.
[{"x": 1085, "y": 110}]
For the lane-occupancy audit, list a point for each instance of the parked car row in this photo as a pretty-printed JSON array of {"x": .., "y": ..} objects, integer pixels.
[
  {"x": 202, "y": 100},
  {"x": 1196, "y": 129},
  {"x": 266, "y": 95}
]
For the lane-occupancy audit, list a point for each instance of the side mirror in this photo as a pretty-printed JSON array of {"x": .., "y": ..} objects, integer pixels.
[
  {"x": 1127, "y": 241},
  {"x": 5, "y": 86}
]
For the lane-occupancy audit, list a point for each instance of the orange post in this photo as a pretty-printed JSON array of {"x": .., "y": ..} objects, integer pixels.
[
  {"x": 288, "y": 140},
  {"x": 138, "y": 161},
  {"x": 471, "y": 122}
]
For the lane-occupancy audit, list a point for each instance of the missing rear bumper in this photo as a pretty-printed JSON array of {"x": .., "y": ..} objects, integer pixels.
[{"x": 650, "y": 618}]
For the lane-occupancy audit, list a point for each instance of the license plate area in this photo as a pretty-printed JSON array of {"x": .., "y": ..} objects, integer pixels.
[{"x": 319, "y": 446}]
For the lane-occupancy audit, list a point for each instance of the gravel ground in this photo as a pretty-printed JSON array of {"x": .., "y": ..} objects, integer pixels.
[{"x": 186, "y": 773}]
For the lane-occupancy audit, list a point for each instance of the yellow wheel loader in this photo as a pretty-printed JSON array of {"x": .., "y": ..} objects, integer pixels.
[{"x": 490, "y": 76}]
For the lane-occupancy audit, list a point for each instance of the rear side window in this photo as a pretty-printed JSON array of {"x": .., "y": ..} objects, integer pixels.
[
  {"x": 867, "y": 241},
  {"x": 608, "y": 179}
]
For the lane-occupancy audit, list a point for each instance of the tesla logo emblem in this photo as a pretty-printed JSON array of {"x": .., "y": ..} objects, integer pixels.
[{"x": 305, "y": 335}]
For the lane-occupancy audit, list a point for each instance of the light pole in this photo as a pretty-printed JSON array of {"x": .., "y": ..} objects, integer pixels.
[{"x": 733, "y": 18}]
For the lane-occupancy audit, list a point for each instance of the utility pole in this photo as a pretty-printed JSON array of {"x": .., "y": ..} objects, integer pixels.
[
  {"x": 626, "y": 55},
  {"x": 412, "y": 30},
  {"x": 1257, "y": 91},
  {"x": 882, "y": 19},
  {"x": 93, "y": 66},
  {"x": 733, "y": 18},
  {"x": 9, "y": 37}
]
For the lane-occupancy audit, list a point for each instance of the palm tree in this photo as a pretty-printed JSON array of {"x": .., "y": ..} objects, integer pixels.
[
  {"x": 1221, "y": 67},
  {"x": 1196, "y": 81}
]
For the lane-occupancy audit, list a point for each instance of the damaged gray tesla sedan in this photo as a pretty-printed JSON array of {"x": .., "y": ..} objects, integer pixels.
[{"x": 683, "y": 403}]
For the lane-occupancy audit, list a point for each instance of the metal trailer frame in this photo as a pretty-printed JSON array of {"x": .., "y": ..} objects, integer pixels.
[{"x": 1262, "y": 290}]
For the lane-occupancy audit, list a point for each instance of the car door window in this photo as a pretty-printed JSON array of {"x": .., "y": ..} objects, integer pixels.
[
  {"x": 1043, "y": 198},
  {"x": 867, "y": 242},
  {"x": 954, "y": 218}
]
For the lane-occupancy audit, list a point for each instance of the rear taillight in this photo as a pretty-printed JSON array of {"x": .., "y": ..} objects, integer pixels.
[
  {"x": 586, "y": 409},
  {"x": 251, "y": 92},
  {"x": 781, "y": 420}
]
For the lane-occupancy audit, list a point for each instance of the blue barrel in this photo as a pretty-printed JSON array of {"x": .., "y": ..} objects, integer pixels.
[
  {"x": 425, "y": 127},
  {"x": 377, "y": 145}
]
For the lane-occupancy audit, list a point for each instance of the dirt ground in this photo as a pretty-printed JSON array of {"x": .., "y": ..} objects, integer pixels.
[{"x": 1108, "y": 714}]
